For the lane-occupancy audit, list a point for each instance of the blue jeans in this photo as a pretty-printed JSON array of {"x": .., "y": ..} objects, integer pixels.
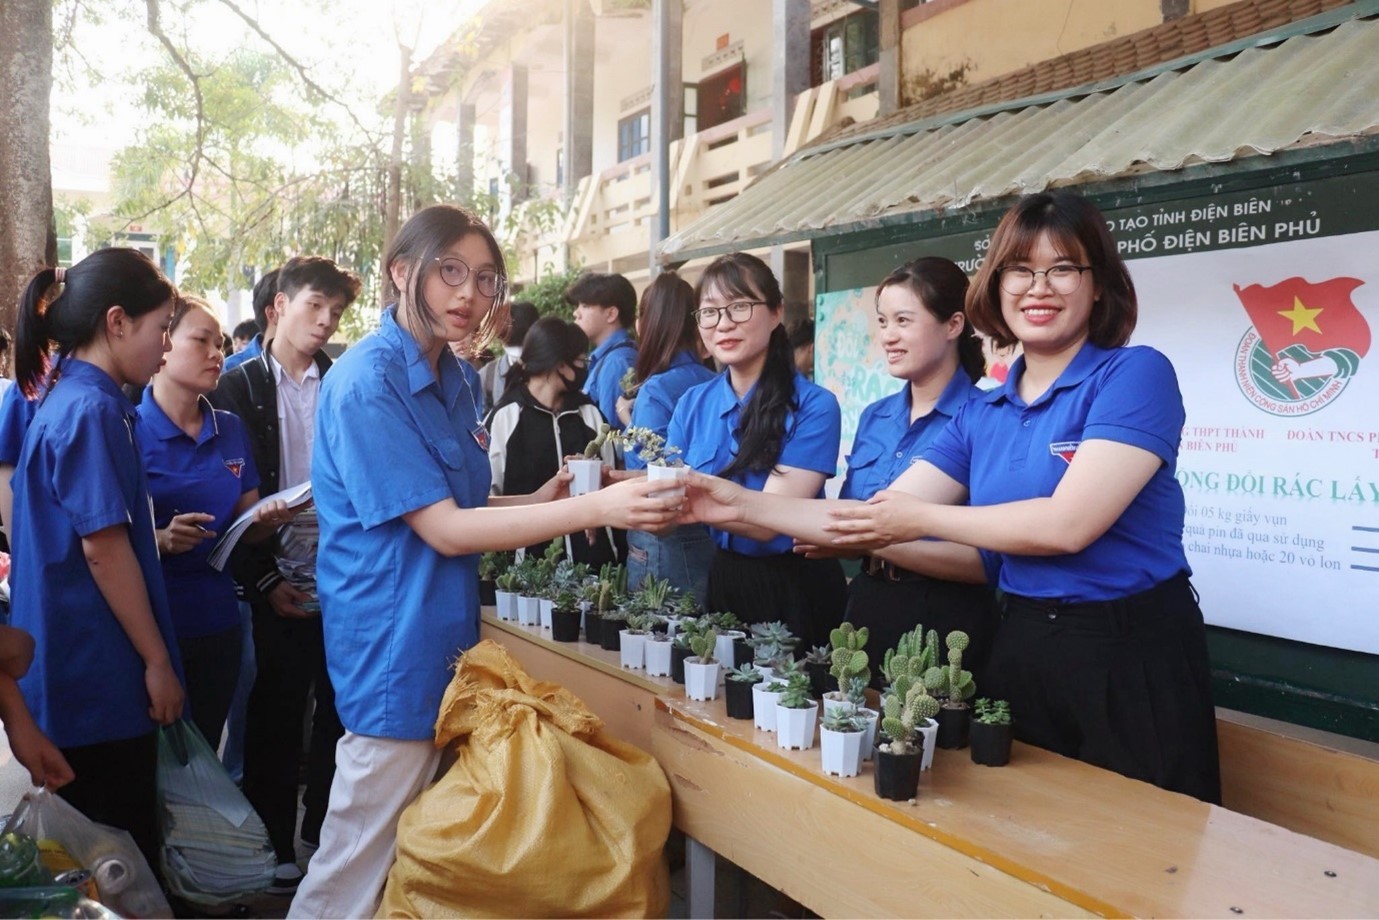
[
  {"x": 682, "y": 556},
  {"x": 234, "y": 739}
]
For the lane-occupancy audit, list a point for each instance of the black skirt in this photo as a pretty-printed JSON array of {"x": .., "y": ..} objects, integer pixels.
[
  {"x": 1123, "y": 684},
  {"x": 808, "y": 595},
  {"x": 890, "y": 608}
]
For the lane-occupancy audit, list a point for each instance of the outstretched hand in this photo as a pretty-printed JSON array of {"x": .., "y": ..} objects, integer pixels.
[
  {"x": 629, "y": 505},
  {"x": 888, "y": 518},
  {"x": 711, "y": 500}
]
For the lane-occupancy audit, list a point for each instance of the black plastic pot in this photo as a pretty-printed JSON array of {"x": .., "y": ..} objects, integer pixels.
[
  {"x": 990, "y": 744},
  {"x": 593, "y": 628},
  {"x": 897, "y": 775},
  {"x": 818, "y": 678},
  {"x": 678, "y": 654},
  {"x": 953, "y": 726},
  {"x": 738, "y": 695},
  {"x": 611, "y": 638},
  {"x": 565, "y": 625},
  {"x": 742, "y": 653},
  {"x": 487, "y": 593}
]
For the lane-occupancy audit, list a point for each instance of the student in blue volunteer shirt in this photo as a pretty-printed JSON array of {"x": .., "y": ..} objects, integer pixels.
[
  {"x": 202, "y": 477},
  {"x": 401, "y": 492},
  {"x": 927, "y": 343},
  {"x": 1069, "y": 468},
  {"x": 605, "y": 308},
  {"x": 761, "y": 424},
  {"x": 667, "y": 366},
  {"x": 16, "y": 413},
  {"x": 86, "y": 580}
]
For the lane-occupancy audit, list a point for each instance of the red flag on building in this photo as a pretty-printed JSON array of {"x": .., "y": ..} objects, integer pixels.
[{"x": 1316, "y": 315}]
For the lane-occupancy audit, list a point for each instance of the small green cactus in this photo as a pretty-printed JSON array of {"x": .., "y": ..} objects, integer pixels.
[
  {"x": 960, "y": 684},
  {"x": 702, "y": 644},
  {"x": 592, "y": 449},
  {"x": 904, "y": 715}
]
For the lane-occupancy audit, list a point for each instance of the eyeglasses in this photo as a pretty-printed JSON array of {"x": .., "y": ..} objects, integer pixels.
[
  {"x": 1016, "y": 280},
  {"x": 740, "y": 312},
  {"x": 455, "y": 272}
]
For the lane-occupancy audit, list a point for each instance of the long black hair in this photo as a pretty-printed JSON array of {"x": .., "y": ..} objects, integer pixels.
[
  {"x": 761, "y": 432},
  {"x": 548, "y": 344},
  {"x": 941, "y": 288},
  {"x": 106, "y": 278},
  {"x": 667, "y": 315}
]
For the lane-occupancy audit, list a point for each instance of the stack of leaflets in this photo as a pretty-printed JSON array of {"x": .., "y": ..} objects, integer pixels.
[
  {"x": 295, "y": 497},
  {"x": 297, "y": 555}
]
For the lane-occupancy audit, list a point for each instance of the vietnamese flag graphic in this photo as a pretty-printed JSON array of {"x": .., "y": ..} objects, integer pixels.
[{"x": 1315, "y": 315}]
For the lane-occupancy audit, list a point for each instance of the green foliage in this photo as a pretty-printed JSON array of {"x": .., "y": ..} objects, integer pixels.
[
  {"x": 796, "y": 694},
  {"x": 702, "y": 644},
  {"x": 844, "y": 719},
  {"x": 848, "y": 662},
  {"x": 746, "y": 674},
  {"x": 641, "y": 622},
  {"x": 724, "y": 620},
  {"x": 650, "y": 447},
  {"x": 591, "y": 450},
  {"x": 566, "y": 600},
  {"x": 819, "y": 654},
  {"x": 961, "y": 686},
  {"x": 508, "y": 582},
  {"x": 629, "y": 384},
  {"x": 493, "y": 564},
  {"x": 903, "y": 715},
  {"x": 547, "y": 293},
  {"x": 992, "y": 712},
  {"x": 655, "y": 593},
  {"x": 771, "y": 643},
  {"x": 686, "y": 606}
]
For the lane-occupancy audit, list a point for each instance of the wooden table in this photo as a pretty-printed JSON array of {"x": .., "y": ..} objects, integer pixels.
[{"x": 1045, "y": 836}]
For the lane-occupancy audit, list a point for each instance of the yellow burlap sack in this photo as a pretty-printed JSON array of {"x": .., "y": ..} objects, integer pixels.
[{"x": 541, "y": 815}]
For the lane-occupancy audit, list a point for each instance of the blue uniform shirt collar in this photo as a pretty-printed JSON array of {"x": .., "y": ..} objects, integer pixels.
[
  {"x": 608, "y": 345},
  {"x": 682, "y": 358},
  {"x": 901, "y": 403},
  {"x": 77, "y": 369},
  {"x": 164, "y": 429},
  {"x": 420, "y": 373},
  {"x": 1088, "y": 358}
]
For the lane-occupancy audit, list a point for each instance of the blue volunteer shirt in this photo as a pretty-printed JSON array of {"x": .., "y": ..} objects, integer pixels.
[
  {"x": 251, "y": 351},
  {"x": 704, "y": 427},
  {"x": 390, "y": 439},
  {"x": 1005, "y": 450},
  {"x": 657, "y": 397},
  {"x": 16, "y": 414},
  {"x": 79, "y": 473},
  {"x": 607, "y": 364},
  {"x": 206, "y": 475}
]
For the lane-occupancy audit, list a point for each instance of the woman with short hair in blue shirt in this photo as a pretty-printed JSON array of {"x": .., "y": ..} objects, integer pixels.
[
  {"x": 926, "y": 341},
  {"x": 400, "y": 473},
  {"x": 1069, "y": 471},
  {"x": 762, "y": 424},
  {"x": 85, "y": 578},
  {"x": 667, "y": 365},
  {"x": 202, "y": 478}
]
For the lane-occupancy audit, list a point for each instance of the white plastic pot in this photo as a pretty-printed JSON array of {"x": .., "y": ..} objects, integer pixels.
[
  {"x": 547, "y": 608},
  {"x": 929, "y": 731},
  {"x": 764, "y": 707},
  {"x": 588, "y": 476},
  {"x": 528, "y": 610},
  {"x": 669, "y": 474},
  {"x": 795, "y": 727},
  {"x": 631, "y": 647},
  {"x": 507, "y": 604},
  {"x": 657, "y": 657},
  {"x": 869, "y": 735},
  {"x": 701, "y": 680},
  {"x": 841, "y": 752}
]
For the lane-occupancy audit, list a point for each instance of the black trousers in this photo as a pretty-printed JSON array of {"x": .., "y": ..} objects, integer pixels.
[
  {"x": 889, "y": 609},
  {"x": 808, "y": 595},
  {"x": 291, "y": 660},
  {"x": 211, "y": 664},
  {"x": 1123, "y": 684},
  {"x": 117, "y": 784}
]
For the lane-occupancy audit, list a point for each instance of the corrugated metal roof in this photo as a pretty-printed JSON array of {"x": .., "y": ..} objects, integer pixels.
[{"x": 1260, "y": 100}]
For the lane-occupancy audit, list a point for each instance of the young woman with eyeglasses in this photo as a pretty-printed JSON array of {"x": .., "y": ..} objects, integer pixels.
[
  {"x": 1069, "y": 471},
  {"x": 763, "y": 425},
  {"x": 400, "y": 476}
]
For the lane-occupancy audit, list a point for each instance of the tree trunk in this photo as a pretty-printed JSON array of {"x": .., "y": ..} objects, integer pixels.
[
  {"x": 393, "y": 196},
  {"x": 27, "y": 238}
]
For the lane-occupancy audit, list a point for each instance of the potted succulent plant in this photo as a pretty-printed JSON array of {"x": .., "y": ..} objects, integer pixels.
[
  {"x": 656, "y": 654},
  {"x": 529, "y": 594},
  {"x": 954, "y": 687},
  {"x": 848, "y": 666},
  {"x": 588, "y": 469},
  {"x": 737, "y": 690},
  {"x": 662, "y": 460},
  {"x": 841, "y": 734},
  {"x": 505, "y": 594},
  {"x": 898, "y": 759},
  {"x": 766, "y": 694},
  {"x": 491, "y": 565},
  {"x": 565, "y": 617},
  {"x": 701, "y": 669},
  {"x": 614, "y": 621},
  {"x": 628, "y": 383},
  {"x": 729, "y": 635},
  {"x": 797, "y": 714},
  {"x": 817, "y": 662},
  {"x": 772, "y": 645},
  {"x": 550, "y": 567},
  {"x": 905, "y": 673},
  {"x": 632, "y": 641},
  {"x": 991, "y": 732},
  {"x": 689, "y": 627}
]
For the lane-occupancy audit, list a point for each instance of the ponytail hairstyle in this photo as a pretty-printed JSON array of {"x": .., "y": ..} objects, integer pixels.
[
  {"x": 73, "y": 316},
  {"x": 549, "y": 343},
  {"x": 941, "y": 288},
  {"x": 422, "y": 240},
  {"x": 667, "y": 315},
  {"x": 761, "y": 435}
]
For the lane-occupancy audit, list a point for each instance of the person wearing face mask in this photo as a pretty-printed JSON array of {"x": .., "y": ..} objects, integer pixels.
[{"x": 543, "y": 417}]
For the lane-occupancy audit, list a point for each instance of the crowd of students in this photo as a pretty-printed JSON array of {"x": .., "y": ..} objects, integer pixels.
[{"x": 1056, "y": 487}]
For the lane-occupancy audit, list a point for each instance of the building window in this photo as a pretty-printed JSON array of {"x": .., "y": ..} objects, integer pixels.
[
  {"x": 843, "y": 46},
  {"x": 721, "y": 97},
  {"x": 634, "y": 135}
]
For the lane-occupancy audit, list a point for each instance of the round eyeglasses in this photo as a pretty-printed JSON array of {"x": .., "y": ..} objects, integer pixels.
[
  {"x": 1016, "y": 280},
  {"x": 455, "y": 272},
  {"x": 739, "y": 312}
]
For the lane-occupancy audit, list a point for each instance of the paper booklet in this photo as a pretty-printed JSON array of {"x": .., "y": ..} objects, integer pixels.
[{"x": 295, "y": 497}]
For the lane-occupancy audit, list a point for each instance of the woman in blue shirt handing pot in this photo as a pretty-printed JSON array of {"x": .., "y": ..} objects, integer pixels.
[{"x": 1069, "y": 471}]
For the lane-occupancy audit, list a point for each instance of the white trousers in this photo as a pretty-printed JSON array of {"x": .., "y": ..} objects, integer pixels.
[{"x": 375, "y": 779}]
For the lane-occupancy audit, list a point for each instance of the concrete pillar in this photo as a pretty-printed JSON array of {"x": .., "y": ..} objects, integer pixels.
[
  {"x": 667, "y": 108},
  {"x": 889, "y": 80},
  {"x": 579, "y": 94},
  {"x": 464, "y": 152},
  {"x": 789, "y": 65},
  {"x": 513, "y": 131}
]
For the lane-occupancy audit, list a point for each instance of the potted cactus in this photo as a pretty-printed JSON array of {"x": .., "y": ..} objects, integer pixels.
[
  {"x": 632, "y": 640},
  {"x": 687, "y": 628},
  {"x": 904, "y": 673},
  {"x": 628, "y": 383},
  {"x": 506, "y": 587},
  {"x": 701, "y": 669},
  {"x": 991, "y": 732},
  {"x": 529, "y": 594},
  {"x": 565, "y": 616},
  {"x": 737, "y": 690},
  {"x": 614, "y": 622},
  {"x": 797, "y": 714},
  {"x": 656, "y": 654},
  {"x": 848, "y": 666},
  {"x": 662, "y": 460},
  {"x": 491, "y": 565},
  {"x": 954, "y": 687},
  {"x": 898, "y": 759},
  {"x": 588, "y": 469},
  {"x": 841, "y": 734}
]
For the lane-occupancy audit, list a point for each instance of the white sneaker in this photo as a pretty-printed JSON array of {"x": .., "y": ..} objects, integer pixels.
[{"x": 286, "y": 879}]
